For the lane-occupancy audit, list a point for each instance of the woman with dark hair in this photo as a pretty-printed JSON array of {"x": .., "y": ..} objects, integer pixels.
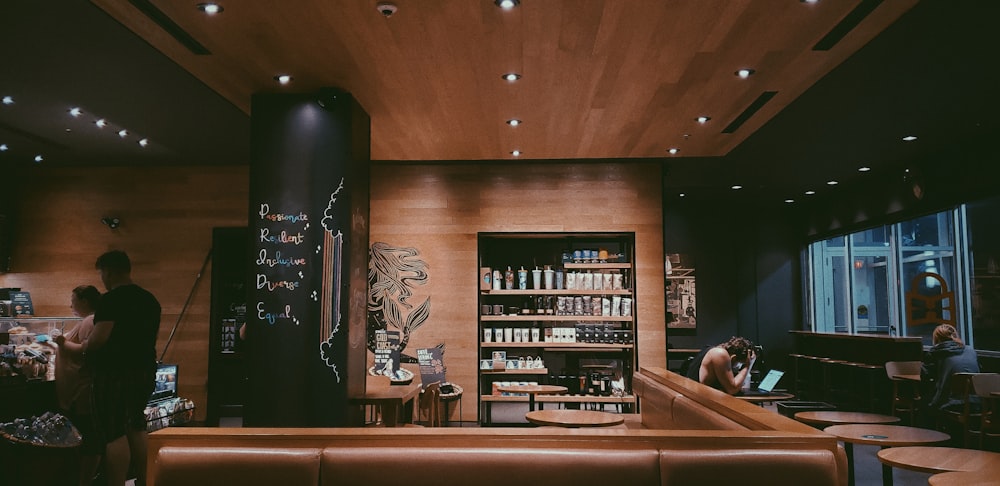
[
  {"x": 948, "y": 355},
  {"x": 73, "y": 381},
  {"x": 714, "y": 366}
]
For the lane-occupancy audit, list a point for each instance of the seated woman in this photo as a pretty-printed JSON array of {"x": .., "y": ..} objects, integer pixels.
[
  {"x": 948, "y": 356},
  {"x": 714, "y": 366}
]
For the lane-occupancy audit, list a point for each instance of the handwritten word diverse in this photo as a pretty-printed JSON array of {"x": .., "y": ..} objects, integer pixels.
[
  {"x": 283, "y": 237},
  {"x": 264, "y": 282},
  {"x": 265, "y": 214}
]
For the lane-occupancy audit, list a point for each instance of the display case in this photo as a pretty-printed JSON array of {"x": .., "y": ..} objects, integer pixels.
[{"x": 558, "y": 309}]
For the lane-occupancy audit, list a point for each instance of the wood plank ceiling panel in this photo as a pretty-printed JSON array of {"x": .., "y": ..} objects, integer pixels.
[{"x": 601, "y": 78}]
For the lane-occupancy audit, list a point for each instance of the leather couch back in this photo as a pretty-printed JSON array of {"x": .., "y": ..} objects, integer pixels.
[{"x": 245, "y": 466}]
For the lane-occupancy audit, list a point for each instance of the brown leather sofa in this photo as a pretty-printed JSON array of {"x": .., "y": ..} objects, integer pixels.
[{"x": 684, "y": 435}]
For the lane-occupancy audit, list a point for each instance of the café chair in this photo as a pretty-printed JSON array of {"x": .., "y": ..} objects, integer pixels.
[
  {"x": 984, "y": 384},
  {"x": 966, "y": 414},
  {"x": 429, "y": 402},
  {"x": 905, "y": 393}
]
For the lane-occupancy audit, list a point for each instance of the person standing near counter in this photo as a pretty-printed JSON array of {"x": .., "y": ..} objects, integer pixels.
[
  {"x": 122, "y": 351},
  {"x": 73, "y": 381}
]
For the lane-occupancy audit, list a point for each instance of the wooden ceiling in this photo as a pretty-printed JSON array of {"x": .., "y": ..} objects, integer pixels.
[{"x": 601, "y": 78}]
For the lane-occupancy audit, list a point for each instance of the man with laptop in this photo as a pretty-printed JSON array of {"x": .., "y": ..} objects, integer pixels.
[{"x": 724, "y": 367}]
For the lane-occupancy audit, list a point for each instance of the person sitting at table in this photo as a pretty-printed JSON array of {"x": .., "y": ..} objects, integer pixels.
[
  {"x": 948, "y": 355},
  {"x": 724, "y": 367}
]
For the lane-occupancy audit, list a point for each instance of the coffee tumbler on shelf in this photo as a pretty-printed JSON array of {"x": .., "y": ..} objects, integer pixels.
[
  {"x": 522, "y": 279},
  {"x": 508, "y": 279},
  {"x": 536, "y": 278},
  {"x": 549, "y": 277}
]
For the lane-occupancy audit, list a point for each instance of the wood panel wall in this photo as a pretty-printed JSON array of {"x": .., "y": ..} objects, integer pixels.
[
  {"x": 167, "y": 216},
  {"x": 439, "y": 209}
]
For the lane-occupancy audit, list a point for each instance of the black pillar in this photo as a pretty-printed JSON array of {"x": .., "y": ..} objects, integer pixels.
[{"x": 305, "y": 154}]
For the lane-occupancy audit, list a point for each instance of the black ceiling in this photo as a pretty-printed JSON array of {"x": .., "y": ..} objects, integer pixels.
[{"x": 932, "y": 74}]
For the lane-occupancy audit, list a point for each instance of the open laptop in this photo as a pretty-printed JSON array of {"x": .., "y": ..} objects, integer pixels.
[{"x": 766, "y": 385}]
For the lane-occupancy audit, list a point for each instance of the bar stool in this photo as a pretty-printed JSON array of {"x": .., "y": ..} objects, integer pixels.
[
  {"x": 814, "y": 377},
  {"x": 798, "y": 383},
  {"x": 905, "y": 392},
  {"x": 832, "y": 391}
]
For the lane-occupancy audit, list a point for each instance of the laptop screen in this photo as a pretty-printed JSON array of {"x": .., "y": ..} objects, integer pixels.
[{"x": 770, "y": 380}]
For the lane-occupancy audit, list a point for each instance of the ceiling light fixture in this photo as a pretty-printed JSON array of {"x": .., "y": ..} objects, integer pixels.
[
  {"x": 507, "y": 4},
  {"x": 864, "y": 169},
  {"x": 511, "y": 77},
  {"x": 703, "y": 119},
  {"x": 810, "y": 193},
  {"x": 7, "y": 100},
  {"x": 737, "y": 187},
  {"x": 74, "y": 112},
  {"x": 673, "y": 150},
  {"x": 143, "y": 142},
  {"x": 283, "y": 79},
  {"x": 101, "y": 123},
  {"x": 789, "y": 201},
  {"x": 514, "y": 122},
  {"x": 123, "y": 133},
  {"x": 909, "y": 138},
  {"x": 516, "y": 153},
  {"x": 3, "y": 147},
  {"x": 210, "y": 8},
  {"x": 831, "y": 183},
  {"x": 809, "y": 1},
  {"x": 39, "y": 158},
  {"x": 682, "y": 194},
  {"x": 745, "y": 73}
]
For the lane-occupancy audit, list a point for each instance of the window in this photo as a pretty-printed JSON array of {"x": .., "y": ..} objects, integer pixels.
[{"x": 901, "y": 279}]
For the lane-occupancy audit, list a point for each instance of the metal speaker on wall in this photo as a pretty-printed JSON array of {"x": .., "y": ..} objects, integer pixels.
[{"x": 328, "y": 98}]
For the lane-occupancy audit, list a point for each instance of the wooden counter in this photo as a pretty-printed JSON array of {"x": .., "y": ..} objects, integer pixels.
[{"x": 873, "y": 349}]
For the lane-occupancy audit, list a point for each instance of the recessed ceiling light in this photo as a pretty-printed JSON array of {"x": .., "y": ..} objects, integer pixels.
[
  {"x": 745, "y": 73},
  {"x": 673, "y": 150},
  {"x": 864, "y": 169},
  {"x": 514, "y": 122},
  {"x": 507, "y": 4},
  {"x": 7, "y": 100},
  {"x": 101, "y": 123},
  {"x": 69, "y": 130},
  {"x": 789, "y": 201},
  {"x": 283, "y": 79},
  {"x": 123, "y": 133},
  {"x": 75, "y": 111},
  {"x": 511, "y": 77},
  {"x": 831, "y": 183},
  {"x": 3, "y": 147},
  {"x": 810, "y": 193},
  {"x": 516, "y": 153},
  {"x": 737, "y": 187},
  {"x": 809, "y": 1},
  {"x": 210, "y": 8},
  {"x": 703, "y": 119},
  {"x": 682, "y": 194},
  {"x": 143, "y": 142},
  {"x": 909, "y": 138},
  {"x": 39, "y": 158}
]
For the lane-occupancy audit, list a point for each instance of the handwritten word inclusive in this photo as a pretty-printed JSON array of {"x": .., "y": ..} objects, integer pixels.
[
  {"x": 283, "y": 237},
  {"x": 264, "y": 282},
  {"x": 278, "y": 260},
  {"x": 272, "y": 317},
  {"x": 265, "y": 214}
]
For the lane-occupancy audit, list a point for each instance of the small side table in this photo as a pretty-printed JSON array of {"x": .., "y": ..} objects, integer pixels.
[{"x": 884, "y": 436}]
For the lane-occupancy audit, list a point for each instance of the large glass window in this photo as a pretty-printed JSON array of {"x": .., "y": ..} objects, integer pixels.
[{"x": 901, "y": 279}]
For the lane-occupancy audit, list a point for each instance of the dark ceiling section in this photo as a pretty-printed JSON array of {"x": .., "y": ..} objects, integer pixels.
[
  {"x": 77, "y": 56},
  {"x": 932, "y": 74}
]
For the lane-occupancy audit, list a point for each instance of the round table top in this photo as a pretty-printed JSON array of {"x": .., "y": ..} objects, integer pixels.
[
  {"x": 940, "y": 459},
  {"x": 770, "y": 397},
  {"x": 827, "y": 417},
  {"x": 574, "y": 418},
  {"x": 538, "y": 389},
  {"x": 886, "y": 435},
  {"x": 965, "y": 478}
]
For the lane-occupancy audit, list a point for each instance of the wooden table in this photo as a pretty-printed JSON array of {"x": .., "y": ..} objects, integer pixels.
[
  {"x": 939, "y": 459},
  {"x": 391, "y": 399},
  {"x": 533, "y": 390},
  {"x": 966, "y": 478},
  {"x": 884, "y": 436},
  {"x": 574, "y": 418},
  {"x": 826, "y": 418},
  {"x": 762, "y": 399}
]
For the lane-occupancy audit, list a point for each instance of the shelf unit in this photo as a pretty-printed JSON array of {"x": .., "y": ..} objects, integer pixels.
[{"x": 603, "y": 346}]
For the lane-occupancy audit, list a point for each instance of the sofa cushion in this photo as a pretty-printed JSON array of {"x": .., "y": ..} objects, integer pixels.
[
  {"x": 815, "y": 467},
  {"x": 486, "y": 466},
  {"x": 210, "y": 466}
]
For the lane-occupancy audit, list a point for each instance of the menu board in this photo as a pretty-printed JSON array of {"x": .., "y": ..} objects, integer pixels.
[
  {"x": 431, "y": 363},
  {"x": 21, "y": 301}
]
